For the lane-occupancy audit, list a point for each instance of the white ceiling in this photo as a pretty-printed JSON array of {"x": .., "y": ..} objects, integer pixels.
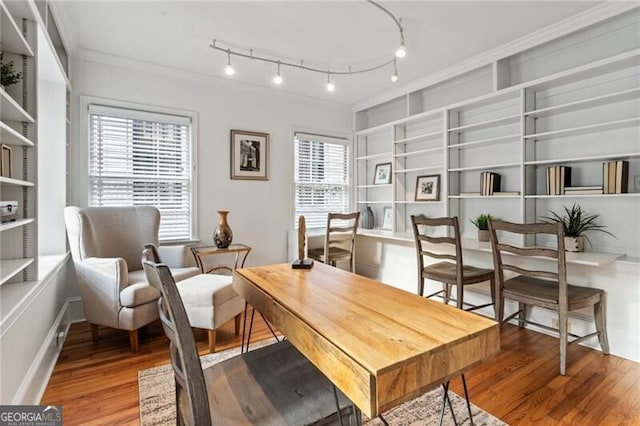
[{"x": 325, "y": 34}]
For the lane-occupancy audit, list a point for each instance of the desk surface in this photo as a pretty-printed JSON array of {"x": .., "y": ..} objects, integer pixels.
[{"x": 380, "y": 345}]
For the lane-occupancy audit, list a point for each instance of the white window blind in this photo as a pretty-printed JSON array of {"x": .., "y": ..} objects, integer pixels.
[
  {"x": 321, "y": 177},
  {"x": 142, "y": 158}
]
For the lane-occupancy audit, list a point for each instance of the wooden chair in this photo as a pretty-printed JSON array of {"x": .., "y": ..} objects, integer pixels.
[
  {"x": 543, "y": 288},
  {"x": 272, "y": 385},
  {"x": 453, "y": 271},
  {"x": 339, "y": 240}
]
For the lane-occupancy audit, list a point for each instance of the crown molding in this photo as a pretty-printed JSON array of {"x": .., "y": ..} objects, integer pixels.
[
  {"x": 553, "y": 31},
  {"x": 193, "y": 76}
]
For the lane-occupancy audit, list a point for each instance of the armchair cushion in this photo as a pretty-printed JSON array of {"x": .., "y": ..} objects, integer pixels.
[{"x": 138, "y": 294}]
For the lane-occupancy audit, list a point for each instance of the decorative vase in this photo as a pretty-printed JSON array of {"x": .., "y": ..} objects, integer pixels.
[
  {"x": 574, "y": 243},
  {"x": 483, "y": 235},
  {"x": 366, "y": 218},
  {"x": 223, "y": 235}
]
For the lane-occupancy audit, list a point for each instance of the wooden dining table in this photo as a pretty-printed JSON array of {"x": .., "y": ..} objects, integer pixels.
[{"x": 379, "y": 345}]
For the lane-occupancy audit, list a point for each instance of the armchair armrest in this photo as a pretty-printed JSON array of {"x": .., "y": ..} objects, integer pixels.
[
  {"x": 101, "y": 280},
  {"x": 108, "y": 273},
  {"x": 176, "y": 256}
]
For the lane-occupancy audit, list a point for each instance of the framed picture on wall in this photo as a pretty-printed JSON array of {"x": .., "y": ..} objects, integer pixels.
[
  {"x": 428, "y": 188},
  {"x": 249, "y": 155},
  {"x": 382, "y": 174},
  {"x": 387, "y": 218}
]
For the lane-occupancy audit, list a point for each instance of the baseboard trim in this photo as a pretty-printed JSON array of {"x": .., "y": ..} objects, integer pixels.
[{"x": 35, "y": 382}]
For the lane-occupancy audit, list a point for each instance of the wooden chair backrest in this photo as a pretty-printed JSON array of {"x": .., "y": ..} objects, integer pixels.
[
  {"x": 498, "y": 248},
  {"x": 421, "y": 225},
  {"x": 192, "y": 403},
  {"x": 338, "y": 235}
]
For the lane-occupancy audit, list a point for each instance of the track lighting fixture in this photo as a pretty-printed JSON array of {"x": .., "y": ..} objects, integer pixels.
[
  {"x": 394, "y": 76},
  {"x": 229, "y": 70},
  {"x": 330, "y": 86},
  {"x": 277, "y": 79}
]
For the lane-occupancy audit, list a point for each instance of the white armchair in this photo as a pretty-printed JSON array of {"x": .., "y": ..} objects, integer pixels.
[{"x": 106, "y": 245}]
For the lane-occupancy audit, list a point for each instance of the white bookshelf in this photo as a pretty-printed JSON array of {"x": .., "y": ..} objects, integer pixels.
[{"x": 516, "y": 117}]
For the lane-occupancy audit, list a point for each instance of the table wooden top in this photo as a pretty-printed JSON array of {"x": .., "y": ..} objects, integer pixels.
[{"x": 380, "y": 345}]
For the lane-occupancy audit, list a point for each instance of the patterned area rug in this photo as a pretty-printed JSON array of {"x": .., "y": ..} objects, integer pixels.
[{"x": 157, "y": 400}]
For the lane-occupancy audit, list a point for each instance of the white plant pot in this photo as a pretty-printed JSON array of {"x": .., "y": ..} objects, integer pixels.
[{"x": 574, "y": 243}]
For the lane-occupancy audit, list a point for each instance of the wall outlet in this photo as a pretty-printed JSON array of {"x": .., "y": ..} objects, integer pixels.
[
  {"x": 555, "y": 323},
  {"x": 636, "y": 183}
]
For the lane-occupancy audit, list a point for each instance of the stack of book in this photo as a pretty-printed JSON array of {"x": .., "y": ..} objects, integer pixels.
[
  {"x": 582, "y": 190},
  {"x": 558, "y": 178},
  {"x": 489, "y": 183},
  {"x": 615, "y": 177}
]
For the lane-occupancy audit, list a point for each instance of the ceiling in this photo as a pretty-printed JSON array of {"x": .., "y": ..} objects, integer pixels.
[{"x": 327, "y": 35}]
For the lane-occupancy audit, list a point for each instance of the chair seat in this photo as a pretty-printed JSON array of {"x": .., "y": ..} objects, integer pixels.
[
  {"x": 334, "y": 253},
  {"x": 206, "y": 290},
  {"x": 546, "y": 291},
  {"x": 210, "y": 301},
  {"x": 446, "y": 272},
  {"x": 272, "y": 385},
  {"x": 180, "y": 274},
  {"x": 138, "y": 294}
]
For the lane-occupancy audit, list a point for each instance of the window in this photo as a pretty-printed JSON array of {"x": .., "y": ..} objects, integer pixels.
[
  {"x": 321, "y": 177},
  {"x": 143, "y": 158}
]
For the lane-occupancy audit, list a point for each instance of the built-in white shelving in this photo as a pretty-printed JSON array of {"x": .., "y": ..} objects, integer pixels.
[
  {"x": 10, "y": 110},
  {"x": 10, "y": 136},
  {"x": 599, "y": 127},
  {"x": 12, "y": 39},
  {"x": 374, "y": 156},
  {"x": 7, "y": 181},
  {"x": 11, "y": 267},
  {"x": 522, "y": 116},
  {"x": 15, "y": 224}
]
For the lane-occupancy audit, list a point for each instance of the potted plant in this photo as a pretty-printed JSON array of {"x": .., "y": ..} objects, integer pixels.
[
  {"x": 482, "y": 223},
  {"x": 575, "y": 223},
  {"x": 7, "y": 75}
]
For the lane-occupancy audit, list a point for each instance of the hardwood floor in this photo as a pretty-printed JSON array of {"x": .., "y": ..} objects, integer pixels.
[{"x": 97, "y": 383}]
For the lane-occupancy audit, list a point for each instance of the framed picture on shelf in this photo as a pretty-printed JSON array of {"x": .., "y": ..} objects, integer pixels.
[
  {"x": 428, "y": 188},
  {"x": 382, "y": 174},
  {"x": 387, "y": 219},
  {"x": 249, "y": 155}
]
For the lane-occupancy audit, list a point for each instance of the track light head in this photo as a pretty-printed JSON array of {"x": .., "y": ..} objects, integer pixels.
[
  {"x": 394, "y": 76},
  {"x": 401, "y": 52},
  {"x": 277, "y": 79},
  {"x": 330, "y": 86},
  {"x": 229, "y": 70}
]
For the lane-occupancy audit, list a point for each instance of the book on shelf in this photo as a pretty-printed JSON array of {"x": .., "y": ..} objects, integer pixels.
[
  {"x": 615, "y": 177},
  {"x": 557, "y": 178},
  {"x": 505, "y": 193},
  {"x": 582, "y": 190},
  {"x": 489, "y": 183}
]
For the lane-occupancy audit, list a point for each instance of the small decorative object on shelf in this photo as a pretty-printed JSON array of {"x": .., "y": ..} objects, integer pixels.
[
  {"x": 223, "y": 235},
  {"x": 427, "y": 188},
  {"x": 367, "y": 219},
  {"x": 8, "y": 77},
  {"x": 8, "y": 211},
  {"x": 5, "y": 161},
  {"x": 302, "y": 262},
  {"x": 382, "y": 174},
  {"x": 575, "y": 223},
  {"x": 482, "y": 223},
  {"x": 387, "y": 219}
]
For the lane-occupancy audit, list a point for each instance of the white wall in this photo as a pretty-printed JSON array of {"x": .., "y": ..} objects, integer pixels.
[
  {"x": 52, "y": 178},
  {"x": 260, "y": 210}
]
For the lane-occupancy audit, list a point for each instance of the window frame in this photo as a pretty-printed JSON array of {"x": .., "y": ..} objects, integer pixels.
[
  {"x": 348, "y": 141},
  {"x": 83, "y": 154}
]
